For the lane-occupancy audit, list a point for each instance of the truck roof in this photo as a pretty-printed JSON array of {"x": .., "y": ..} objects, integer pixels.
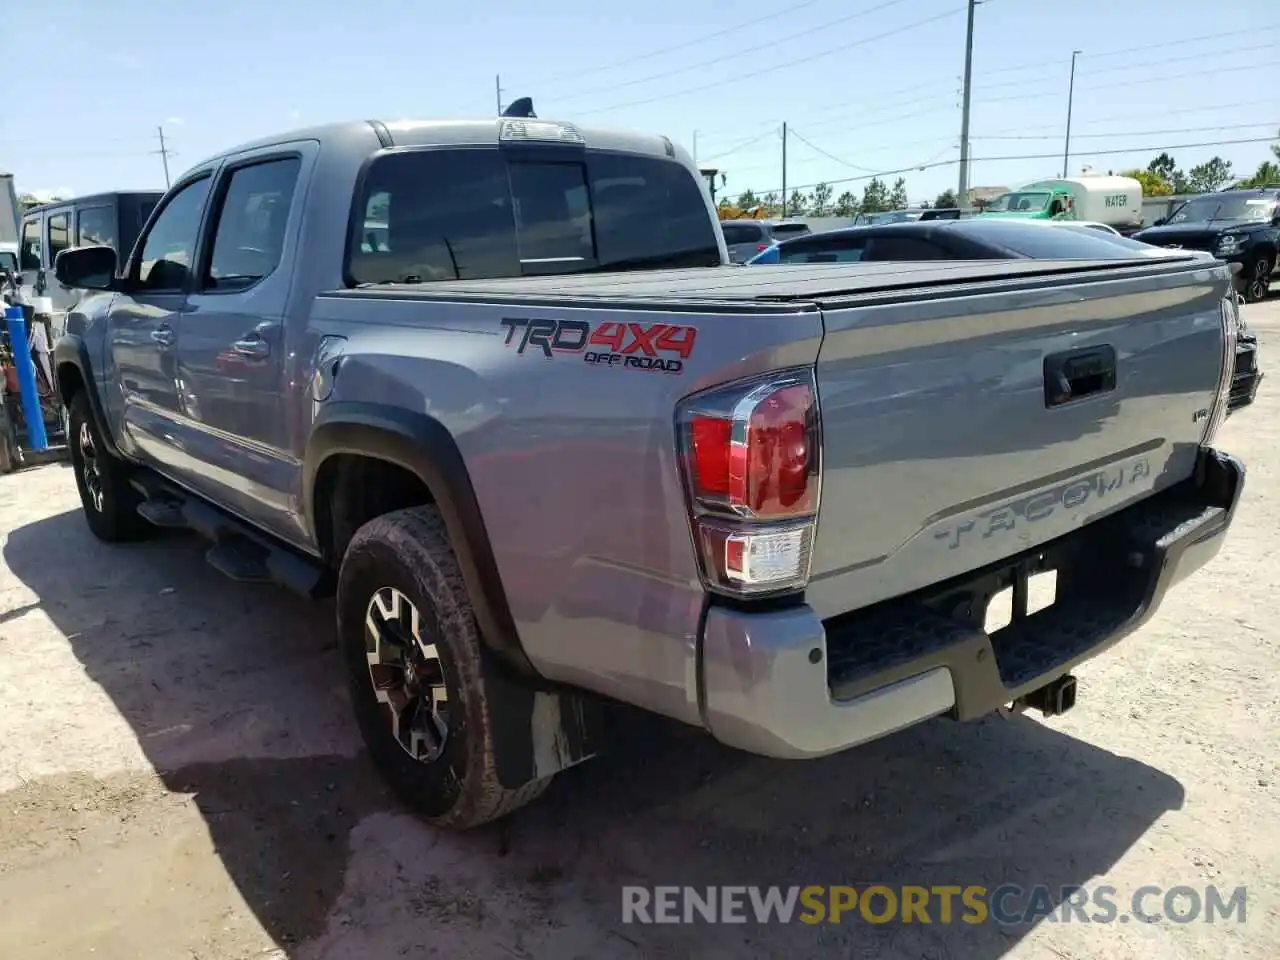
[
  {"x": 778, "y": 284},
  {"x": 455, "y": 132}
]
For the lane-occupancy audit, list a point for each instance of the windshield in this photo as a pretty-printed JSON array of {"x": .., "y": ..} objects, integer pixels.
[
  {"x": 474, "y": 214},
  {"x": 1019, "y": 201},
  {"x": 1224, "y": 206}
]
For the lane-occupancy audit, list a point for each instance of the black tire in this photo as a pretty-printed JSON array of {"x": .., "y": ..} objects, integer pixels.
[
  {"x": 110, "y": 502},
  {"x": 1256, "y": 278},
  {"x": 408, "y": 552}
]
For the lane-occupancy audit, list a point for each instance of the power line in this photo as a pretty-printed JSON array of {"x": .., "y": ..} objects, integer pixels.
[
  {"x": 742, "y": 146},
  {"x": 781, "y": 66},
  {"x": 738, "y": 53},
  {"x": 1176, "y": 76},
  {"x": 1039, "y": 64},
  {"x": 829, "y": 156},
  {"x": 1134, "y": 133},
  {"x": 929, "y": 165},
  {"x": 579, "y": 74},
  {"x": 1126, "y": 66}
]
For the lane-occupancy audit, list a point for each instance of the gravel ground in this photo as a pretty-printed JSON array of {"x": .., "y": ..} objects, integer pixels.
[{"x": 179, "y": 778}]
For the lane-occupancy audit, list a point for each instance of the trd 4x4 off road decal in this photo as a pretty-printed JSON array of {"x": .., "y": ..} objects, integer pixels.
[{"x": 661, "y": 347}]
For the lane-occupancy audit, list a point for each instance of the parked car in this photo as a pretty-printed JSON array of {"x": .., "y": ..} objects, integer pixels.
[
  {"x": 985, "y": 239},
  {"x": 746, "y": 238},
  {"x": 904, "y": 216},
  {"x": 1240, "y": 226},
  {"x": 577, "y": 455},
  {"x": 104, "y": 219}
]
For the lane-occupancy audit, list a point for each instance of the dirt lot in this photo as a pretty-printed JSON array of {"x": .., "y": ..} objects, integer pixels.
[{"x": 179, "y": 779}]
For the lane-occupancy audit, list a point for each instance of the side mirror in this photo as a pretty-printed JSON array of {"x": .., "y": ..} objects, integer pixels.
[
  {"x": 88, "y": 268},
  {"x": 1160, "y": 223}
]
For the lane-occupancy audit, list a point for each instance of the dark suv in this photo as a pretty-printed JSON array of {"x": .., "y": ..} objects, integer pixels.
[{"x": 1240, "y": 226}]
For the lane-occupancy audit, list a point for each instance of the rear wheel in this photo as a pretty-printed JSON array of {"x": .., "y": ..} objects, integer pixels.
[
  {"x": 1257, "y": 278},
  {"x": 417, "y": 671},
  {"x": 110, "y": 503}
]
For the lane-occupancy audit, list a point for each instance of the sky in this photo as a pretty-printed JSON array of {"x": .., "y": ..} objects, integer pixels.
[{"x": 865, "y": 86}]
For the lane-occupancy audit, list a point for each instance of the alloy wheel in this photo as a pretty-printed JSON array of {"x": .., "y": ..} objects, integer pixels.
[{"x": 407, "y": 675}]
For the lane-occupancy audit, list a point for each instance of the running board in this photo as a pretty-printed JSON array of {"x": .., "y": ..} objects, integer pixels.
[{"x": 238, "y": 551}]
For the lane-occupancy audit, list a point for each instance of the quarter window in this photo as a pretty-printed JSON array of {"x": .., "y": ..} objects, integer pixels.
[
  {"x": 96, "y": 227},
  {"x": 29, "y": 252}
]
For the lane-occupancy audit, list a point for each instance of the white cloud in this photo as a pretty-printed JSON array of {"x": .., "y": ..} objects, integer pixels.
[{"x": 174, "y": 121}]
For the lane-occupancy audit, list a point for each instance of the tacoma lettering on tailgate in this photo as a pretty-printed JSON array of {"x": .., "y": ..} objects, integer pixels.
[
  {"x": 1041, "y": 506},
  {"x": 656, "y": 347}
]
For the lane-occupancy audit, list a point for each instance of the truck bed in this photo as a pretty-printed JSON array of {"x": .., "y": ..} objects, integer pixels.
[{"x": 785, "y": 285}]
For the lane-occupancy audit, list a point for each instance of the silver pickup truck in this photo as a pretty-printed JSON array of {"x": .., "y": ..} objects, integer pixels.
[{"x": 495, "y": 385}]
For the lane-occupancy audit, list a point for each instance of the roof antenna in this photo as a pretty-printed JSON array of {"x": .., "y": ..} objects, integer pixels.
[{"x": 520, "y": 108}]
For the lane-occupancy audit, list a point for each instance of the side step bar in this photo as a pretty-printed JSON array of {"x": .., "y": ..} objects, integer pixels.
[{"x": 237, "y": 550}]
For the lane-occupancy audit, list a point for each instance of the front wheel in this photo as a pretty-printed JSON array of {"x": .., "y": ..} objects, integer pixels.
[
  {"x": 110, "y": 503},
  {"x": 417, "y": 673},
  {"x": 1257, "y": 278}
]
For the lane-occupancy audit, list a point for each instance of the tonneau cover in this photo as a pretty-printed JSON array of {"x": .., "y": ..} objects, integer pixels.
[{"x": 773, "y": 283}]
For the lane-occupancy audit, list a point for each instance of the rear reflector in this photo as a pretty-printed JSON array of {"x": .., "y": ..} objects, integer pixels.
[{"x": 750, "y": 453}]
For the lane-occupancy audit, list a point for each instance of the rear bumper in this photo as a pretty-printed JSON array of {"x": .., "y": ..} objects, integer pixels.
[{"x": 787, "y": 684}]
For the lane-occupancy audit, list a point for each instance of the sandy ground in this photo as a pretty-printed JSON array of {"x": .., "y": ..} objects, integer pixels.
[{"x": 179, "y": 778}]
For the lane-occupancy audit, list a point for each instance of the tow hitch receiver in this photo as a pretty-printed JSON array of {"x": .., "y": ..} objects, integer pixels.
[{"x": 1054, "y": 698}]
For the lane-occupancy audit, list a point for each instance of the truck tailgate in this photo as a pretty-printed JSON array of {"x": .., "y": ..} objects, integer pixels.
[{"x": 944, "y": 452}]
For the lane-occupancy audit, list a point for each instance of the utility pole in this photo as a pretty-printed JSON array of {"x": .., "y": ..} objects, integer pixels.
[
  {"x": 1071, "y": 92},
  {"x": 164, "y": 156},
  {"x": 784, "y": 169},
  {"x": 497, "y": 91},
  {"x": 961, "y": 200}
]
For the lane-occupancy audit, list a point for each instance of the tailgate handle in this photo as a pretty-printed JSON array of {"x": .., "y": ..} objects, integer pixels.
[{"x": 1075, "y": 374}]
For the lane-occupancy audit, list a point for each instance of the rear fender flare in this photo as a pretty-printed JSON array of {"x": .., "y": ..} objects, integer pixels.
[{"x": 422, "y": 445}]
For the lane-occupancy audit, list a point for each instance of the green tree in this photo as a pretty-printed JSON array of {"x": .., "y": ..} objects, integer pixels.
[
  {"x": 846, "y": 205},
  {"x": 770, "y": 203},
  {"x": 875, "y": 197},
  {"x": 1268, "y": 173},
  {"x": 898, "y": 197},
  {"x": 747, "y": 200},
  {"x": 1153, "y": 185},
  {"x": 946, "y": 199},
  {"x": 1167, "y": 170},
  {"x": 820, "y": 200},
  {"x": 796, "y": 206},
  {"x": 1209, "y": 176}
]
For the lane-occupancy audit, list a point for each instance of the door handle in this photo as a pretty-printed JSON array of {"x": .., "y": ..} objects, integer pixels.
[
  {"x": 1078, "y": 373},
  {"x": 252, "y": 347},
  {"x": 164, "y": 336}
]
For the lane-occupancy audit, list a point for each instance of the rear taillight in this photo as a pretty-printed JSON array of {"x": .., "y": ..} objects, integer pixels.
[
  {"x": 750, "y": 455},
  {"x": 761, "y": 247},
  {"x": 1230, "y": 314}
]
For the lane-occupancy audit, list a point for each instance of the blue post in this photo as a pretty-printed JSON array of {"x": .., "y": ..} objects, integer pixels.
[{"x": 26, "y": 368}]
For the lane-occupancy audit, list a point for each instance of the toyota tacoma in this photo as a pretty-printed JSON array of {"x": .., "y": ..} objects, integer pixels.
[{"x": 495, "y": 386}]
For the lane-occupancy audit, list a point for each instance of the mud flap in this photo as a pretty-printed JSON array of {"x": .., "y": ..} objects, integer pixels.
[{"x": 536, "y": 732}]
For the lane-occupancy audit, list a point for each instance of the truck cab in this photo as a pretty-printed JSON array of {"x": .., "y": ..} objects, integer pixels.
[
  {"x": 105, "y": 219},
  {"x": 1114, "y": 201}
]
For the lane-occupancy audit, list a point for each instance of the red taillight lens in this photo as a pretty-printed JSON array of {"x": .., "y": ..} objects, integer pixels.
[
  {"x": 768, "y": 469},
  {"x": 751, "y": 454},
  {"x": 761, "y": 247}
]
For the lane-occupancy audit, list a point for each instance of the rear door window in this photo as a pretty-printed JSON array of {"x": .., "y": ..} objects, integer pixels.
[
  {"x": 905, "y": 248},
  {"x": 459, "y": 214},
  {"x": 823, "y": 250},
  {"x": 59, "y": 234},
  {"x": 29, "y": 251},
  {"x": 96, "y": 227},
  {"x": 735, "y": 233}
]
